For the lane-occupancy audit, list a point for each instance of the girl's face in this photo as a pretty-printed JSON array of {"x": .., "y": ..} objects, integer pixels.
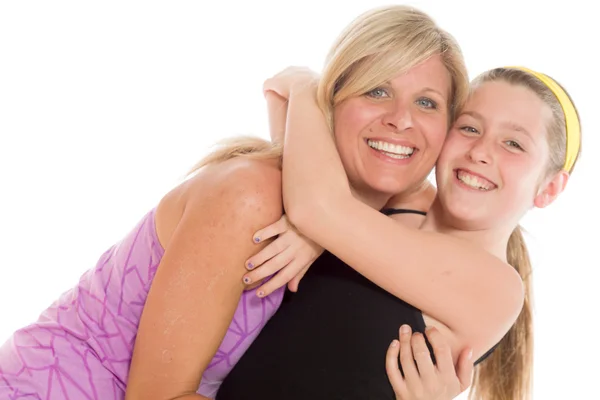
[{"x": 493, "y": 166}]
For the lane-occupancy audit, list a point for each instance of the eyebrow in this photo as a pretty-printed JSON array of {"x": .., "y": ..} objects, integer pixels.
[
  {"x": 473, "y": 114},
  {"x": 516, "y": 127},
  {"x": 507, "y": 125},
  {"x": 427, "y": 89}
]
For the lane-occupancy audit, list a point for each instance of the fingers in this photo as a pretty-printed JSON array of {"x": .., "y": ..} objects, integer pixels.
[
  {"x": 464, "y": 369},
  {"x": 284, "y": 82},
  {"x": 277, "y": 263},
  {"x": 273, "y": 86},
  {"x": 422, "y": 378},
  {"x": 280, "y": 279},
  {"x": 290, "y": 251},
  {"x": 427, "y": 371},
  {"x": 272, "y": 230},
  {"x": 393, "y": 370},
  {"x": 295, "y": 282},
  {"x": 442, "y": 351},
  {"x": 407, "y": 361},
  {"x": 456, "y": 380},
  {"x": 277, "y": 247},
  {"x": 268, "y": 93}
]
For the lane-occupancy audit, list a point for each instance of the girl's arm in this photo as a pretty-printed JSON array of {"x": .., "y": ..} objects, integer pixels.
[
  {"x": 199, "y": 281},
  {"x": 277, "y": 110},
  {"x": 476, "y": 295}
]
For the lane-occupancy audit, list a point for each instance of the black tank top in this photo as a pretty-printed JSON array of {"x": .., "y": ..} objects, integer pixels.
[{"x": 327, "y": 341}]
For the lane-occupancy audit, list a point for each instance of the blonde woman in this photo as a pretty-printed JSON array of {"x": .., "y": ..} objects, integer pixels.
[{"x": 164, "y": 313}]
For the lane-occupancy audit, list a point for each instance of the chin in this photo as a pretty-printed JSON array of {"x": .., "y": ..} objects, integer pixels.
[{"x": 464, "y": 215}]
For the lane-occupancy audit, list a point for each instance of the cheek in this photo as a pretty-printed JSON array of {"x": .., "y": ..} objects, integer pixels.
[
  {"x": 353, "y": 116},
  {"x": 452, "y": 147},
  {"x": 435, "y": 131},
  {"x": 352, "y": 121},
  {"x": 522, "y": 177}
]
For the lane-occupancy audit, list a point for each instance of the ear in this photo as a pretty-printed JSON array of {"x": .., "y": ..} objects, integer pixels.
[{"x": 551, "y": 189}]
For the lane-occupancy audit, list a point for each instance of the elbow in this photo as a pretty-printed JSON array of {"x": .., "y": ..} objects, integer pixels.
[
  {"x": 511, "y": 294},
  {"x": 506, "y": 299},
  {"x": 510, "y": 299},
  {"x": 502, "y": 313},
  {"x": 488, "y": 312}
]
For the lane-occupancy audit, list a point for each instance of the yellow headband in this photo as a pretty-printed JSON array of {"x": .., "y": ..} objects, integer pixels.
[{"x": 571, "y": 119}]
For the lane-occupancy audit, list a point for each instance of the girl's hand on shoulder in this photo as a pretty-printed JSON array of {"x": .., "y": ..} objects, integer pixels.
[{"x": 287, "y": 258}]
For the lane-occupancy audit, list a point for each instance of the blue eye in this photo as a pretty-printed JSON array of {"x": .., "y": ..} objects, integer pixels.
[
  {"x": 512, "y": 143},
  {"x": 427, "y": 103},
  {"x": 469, "y": 129},
  {"x": 378, "y": 93}
]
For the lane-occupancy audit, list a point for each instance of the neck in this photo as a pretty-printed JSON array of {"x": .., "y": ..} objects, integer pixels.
[
  {"x": 371, "y": 198},
  {"x": 495, "y": 240}
]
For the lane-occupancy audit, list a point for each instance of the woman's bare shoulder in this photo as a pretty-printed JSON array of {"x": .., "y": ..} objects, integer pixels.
[{"x": 238, "y": 184}]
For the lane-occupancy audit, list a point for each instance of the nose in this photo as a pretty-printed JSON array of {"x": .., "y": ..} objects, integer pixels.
[
  {"x": 398, "y": 116},
  {"x": 480, "y": 151}
]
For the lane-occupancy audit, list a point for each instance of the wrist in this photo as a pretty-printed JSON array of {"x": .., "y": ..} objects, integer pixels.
[{"x": 305, "y": 89}]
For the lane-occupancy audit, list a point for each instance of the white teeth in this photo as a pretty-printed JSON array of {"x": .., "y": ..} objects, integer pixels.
[
  {"x": 391, "y": 149},
  {"x": 474, "y": 181},
  {"x": 397, "y": 156}
]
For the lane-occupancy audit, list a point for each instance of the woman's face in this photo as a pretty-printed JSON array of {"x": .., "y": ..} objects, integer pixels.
[{"x": 389, "y": 138}]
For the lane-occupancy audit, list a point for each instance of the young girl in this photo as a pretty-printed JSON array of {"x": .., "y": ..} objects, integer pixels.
[{"x": 512, "y": 147}]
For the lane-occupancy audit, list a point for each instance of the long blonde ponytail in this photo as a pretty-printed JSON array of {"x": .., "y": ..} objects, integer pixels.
[{"x": 508, "y": 372}]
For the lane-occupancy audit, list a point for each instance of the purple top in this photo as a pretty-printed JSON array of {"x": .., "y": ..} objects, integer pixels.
[{"x": 81, "y": 346}]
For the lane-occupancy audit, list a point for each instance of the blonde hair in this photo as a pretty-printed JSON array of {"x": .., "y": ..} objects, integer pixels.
[
  {"x": 374, "y": 48},
  {"x": 381, "y": 44},
  {"x": 507, "y": 374}
]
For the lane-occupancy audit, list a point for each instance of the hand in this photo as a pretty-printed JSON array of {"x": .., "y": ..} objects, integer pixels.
[
  {"x": 422, "y": 379},
  {"x": 289, "y": 256},
  {"x": 291, "y": 79}
]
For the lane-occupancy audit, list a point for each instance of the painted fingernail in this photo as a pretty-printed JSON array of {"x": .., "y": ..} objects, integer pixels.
[
  {"x": 250, "y": 265},
  {"x": 256, "y": 239},
  {"x": 246, "y": 279},
  {"x": 394, "y": 343}
]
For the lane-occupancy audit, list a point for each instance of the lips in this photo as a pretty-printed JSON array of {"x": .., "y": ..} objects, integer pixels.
[
  {"x": 395, "y": 149},
  {"x": 474, "y": 180}
]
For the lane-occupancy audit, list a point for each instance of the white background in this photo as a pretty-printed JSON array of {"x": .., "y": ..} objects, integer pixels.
[{"x": 105, "y": 105}]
